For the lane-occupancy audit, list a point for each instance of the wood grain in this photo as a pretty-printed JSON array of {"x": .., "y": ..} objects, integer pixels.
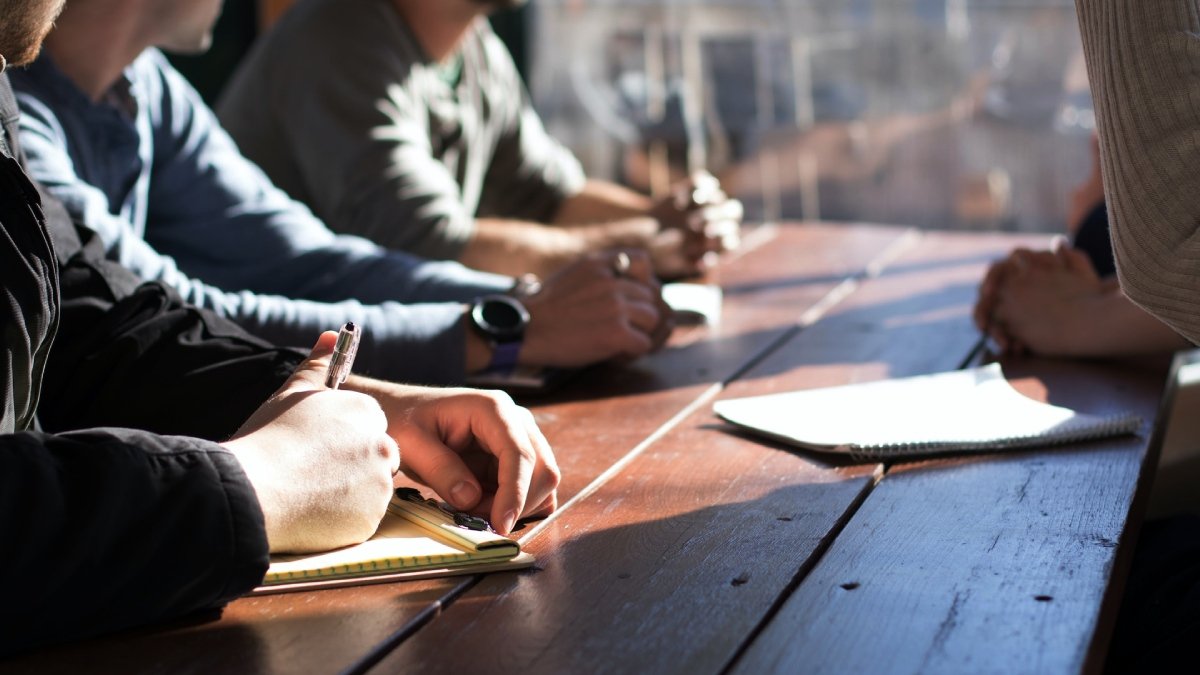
[
  {"x": 605, "y": 413},
  {"x": 593, "y": 422},
  {"x": 672, "y": 565},
  {"x": 983, "y": 564}
]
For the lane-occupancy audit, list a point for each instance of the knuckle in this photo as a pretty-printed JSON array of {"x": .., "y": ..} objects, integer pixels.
[
  {"x": 553, "y": 475},
  {"x": 527, "y": 455},
  {"x": 613, "y": 305},
  {"x": 497, "y": 401},
  {"x": 387, "y": 449}
]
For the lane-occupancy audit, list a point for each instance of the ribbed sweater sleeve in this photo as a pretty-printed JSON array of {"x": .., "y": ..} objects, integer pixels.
[{"x": 1143, "y": 60}]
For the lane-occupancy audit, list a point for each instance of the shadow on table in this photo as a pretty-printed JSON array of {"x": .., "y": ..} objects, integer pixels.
[
  {"x": 749, "y": 288},
  {"x": 857, "y": 334},
  {"x": 323, "y": 631}
]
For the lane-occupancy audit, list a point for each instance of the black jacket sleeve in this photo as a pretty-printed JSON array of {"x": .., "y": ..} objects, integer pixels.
[
  {"x": 107, "y": 529},
  {"x": 132, "y": 354}
]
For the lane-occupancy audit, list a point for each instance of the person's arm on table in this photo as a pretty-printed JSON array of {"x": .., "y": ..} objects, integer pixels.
[
  {"x": 430, "y": 333},
  {"x": 1052, "y": 303},
  {"x": 607, "y": 216},
  {"x": 357, "y": 144}
]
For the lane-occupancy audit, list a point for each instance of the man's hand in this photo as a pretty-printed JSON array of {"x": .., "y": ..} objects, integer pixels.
[
  {"x": 320, "y": 460},
  {"x": 592, "y": 312},
  {"x": 696, "y": 219},
  {"x": 477, "y": 449},
  {"x": 1041, "y": 302}
]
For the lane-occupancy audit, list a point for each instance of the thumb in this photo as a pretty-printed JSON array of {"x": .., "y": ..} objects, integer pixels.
[{"x": 310, "y": 375}]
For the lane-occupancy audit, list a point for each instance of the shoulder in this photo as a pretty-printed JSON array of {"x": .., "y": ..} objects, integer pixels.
[
  {"x": 323, "y": 31},
  {"x": 42, "y": 90},
  {"x": 154, "y": 79},
  {"x": 323, "y": 49}
]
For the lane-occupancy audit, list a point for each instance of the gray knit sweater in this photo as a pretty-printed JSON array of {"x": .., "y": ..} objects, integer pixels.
[{"x": 1144, "y": 63}]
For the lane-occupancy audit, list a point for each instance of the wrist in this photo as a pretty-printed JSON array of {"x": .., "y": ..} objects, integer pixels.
[
  {"x": 500, "y": 321},
  {"x": 632, "y": 232},
  {"x": 479, "y": 350}
]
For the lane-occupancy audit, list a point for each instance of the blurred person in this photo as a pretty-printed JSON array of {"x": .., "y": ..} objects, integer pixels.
[
  {"x": 406, "y": 122},
  {"x": 1143, "y": 65},
  {"x": 112, "y": 130},
  {"x": 146, "y": 467}
]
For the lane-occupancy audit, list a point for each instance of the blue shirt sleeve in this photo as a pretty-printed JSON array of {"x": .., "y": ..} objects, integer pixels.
[{"x": 227, "y": 240}]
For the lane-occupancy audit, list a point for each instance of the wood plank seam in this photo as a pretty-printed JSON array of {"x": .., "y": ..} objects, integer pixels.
[
  {"x": 839, "y": 293},
  {"x": 801, "y": 574},
  {"x": 381, "y": 650},
  {"x": 873, "y": 269}
]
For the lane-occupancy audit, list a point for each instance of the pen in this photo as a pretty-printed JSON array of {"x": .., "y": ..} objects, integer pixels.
[{"x": 343, "y": 356}]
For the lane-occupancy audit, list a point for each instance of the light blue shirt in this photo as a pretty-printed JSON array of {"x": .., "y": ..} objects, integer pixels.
[{"x": 151, "y": 170}]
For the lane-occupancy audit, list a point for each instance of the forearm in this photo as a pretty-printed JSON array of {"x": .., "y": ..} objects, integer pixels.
[
  {"x": 1142, "y": 62},
  {"x": 120, "y": 340},
  {"x": 1116, "y": 327},
  {"x": 601, "y": 201},
  {"x": 515, "y": 247}
]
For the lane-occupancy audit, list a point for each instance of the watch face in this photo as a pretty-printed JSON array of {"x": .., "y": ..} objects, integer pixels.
[{"x": 500, "y": 317}]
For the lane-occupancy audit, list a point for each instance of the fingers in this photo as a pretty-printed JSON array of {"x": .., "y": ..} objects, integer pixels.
[
  {"x": 527, "y": 477},
  {"x": 481, "y": 453},
  {"x": 310, "y": 375},
  {"x": 392, "y": 451},
  {"x": 988, "y": 289},
  {"x": 1078, "y": 262},
  {"x": 666, "y": 325},
  {"x": 640, "y": 266},
  {"x": 442, "y": 469},
  {"x": 640, "y": 309}
]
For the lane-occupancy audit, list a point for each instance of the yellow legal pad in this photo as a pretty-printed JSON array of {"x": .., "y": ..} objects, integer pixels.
[{"x": 416, "y": 539}]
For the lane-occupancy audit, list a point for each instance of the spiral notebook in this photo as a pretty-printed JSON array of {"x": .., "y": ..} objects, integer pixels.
[
  {"x": 418, "y": 538},
  {"x": 963, "y": 411}
]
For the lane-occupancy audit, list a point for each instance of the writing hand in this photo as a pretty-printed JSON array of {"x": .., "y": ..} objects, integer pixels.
[{"x": 320, "y": 460}]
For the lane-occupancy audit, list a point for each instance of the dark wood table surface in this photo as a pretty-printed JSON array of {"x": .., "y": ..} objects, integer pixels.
[{"x": 685, "y": 547}]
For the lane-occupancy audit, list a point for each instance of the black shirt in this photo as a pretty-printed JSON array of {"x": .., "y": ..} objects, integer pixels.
[{"x": 104, "y": 528}]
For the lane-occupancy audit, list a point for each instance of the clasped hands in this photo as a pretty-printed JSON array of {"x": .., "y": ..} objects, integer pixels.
[
  {"x": 1039, "y": 301},
  {"x": 697, "y": 219}
]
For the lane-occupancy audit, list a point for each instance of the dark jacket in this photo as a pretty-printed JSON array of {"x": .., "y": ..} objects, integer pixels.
[{"x": 103, "y": 528}]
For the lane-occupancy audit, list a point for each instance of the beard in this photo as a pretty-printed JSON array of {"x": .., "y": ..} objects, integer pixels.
[{"x": 23, "y": 26}]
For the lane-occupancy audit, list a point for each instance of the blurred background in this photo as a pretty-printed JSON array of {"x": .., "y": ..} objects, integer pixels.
[{"x": 946, "y": 114}]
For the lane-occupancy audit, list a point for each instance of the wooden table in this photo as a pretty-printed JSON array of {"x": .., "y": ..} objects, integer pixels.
[{"x": 683, "y": 547}]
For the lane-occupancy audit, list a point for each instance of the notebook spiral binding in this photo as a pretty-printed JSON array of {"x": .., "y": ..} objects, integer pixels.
[{"x": 1081, "y": 430}]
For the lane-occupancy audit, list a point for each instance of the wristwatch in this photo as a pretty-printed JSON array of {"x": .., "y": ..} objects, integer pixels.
[{"x": 501, "y": 319}]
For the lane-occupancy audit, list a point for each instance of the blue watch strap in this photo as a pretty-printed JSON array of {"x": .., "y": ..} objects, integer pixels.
[{"x": 504, "y": 356}]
